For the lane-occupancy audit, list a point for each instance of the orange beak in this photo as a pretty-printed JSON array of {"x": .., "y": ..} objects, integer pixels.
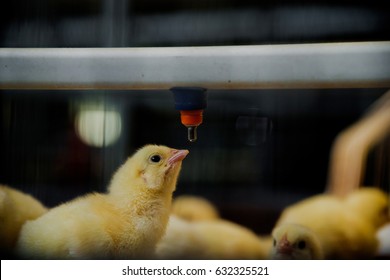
[
  {"x": 284, "y": 246},
  {"x": 177, "y": 155}
]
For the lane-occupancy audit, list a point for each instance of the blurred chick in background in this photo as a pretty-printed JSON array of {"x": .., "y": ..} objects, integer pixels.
[
  {"x": 346, "y": 228},
  {"x": 126, "y": 222},
  {"x": 363, "y": 202},
  {"x": 372, "y": 204},
  {"x": 16, "y": 208},
  {"x": 209, "y": 239},
  {"x": 295, "y": 242},
  {"x": 194, "y": 208}
]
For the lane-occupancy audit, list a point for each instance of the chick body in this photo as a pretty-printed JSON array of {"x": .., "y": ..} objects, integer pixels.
[
  {"x": 194, "y": 208},
  {"x": 371, "y": 204},
  {"x": 16, "y": 208},
  {"x": 344, "y": 230},
  {"x": 124, "y": 223},
  {"x": 209, "y": 239}
]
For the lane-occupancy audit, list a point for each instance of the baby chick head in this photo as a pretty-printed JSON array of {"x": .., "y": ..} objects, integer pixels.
[
  {"x": 295, "y": 242},
  {"x": 154, "y": 167},
  {"x": 371, "y": 204},
  {"x": 161, "y": 166}
]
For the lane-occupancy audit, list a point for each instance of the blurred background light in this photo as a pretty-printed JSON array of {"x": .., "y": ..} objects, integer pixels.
[{"x": 98, "y": 127}]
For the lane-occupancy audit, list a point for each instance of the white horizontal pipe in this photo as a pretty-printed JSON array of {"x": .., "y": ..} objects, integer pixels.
[{"x": 330, "y": 65}]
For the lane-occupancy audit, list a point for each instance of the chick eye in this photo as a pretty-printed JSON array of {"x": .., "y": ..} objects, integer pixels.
[
  {"x": 155, "y": 158},
  {"x": 302, "y": 245}
]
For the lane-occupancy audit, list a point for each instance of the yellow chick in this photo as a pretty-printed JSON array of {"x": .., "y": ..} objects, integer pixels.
[
  {"x": 207, "y": 239},
  {"x": 344, "y": 230},
  {"x": 194, "y": 208},
  {"x": 371, "y": 203},
  {"x": 16, "y": 208},
  {"x": 295, "y": 242},
  {"x": 125, "y": 223}
]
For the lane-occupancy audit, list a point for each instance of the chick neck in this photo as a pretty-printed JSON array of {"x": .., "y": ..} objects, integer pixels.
[
  {"x": 142, "y": 210},
  {"x": 133, "y": 194}
]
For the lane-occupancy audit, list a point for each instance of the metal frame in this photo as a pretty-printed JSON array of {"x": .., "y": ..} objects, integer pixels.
[{"x": 328, "y": 65}]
